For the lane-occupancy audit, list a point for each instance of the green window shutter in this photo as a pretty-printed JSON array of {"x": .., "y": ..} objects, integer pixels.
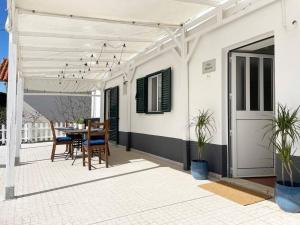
[
  {"x": 141, "y": 99},
  {"x": 166, "y": 91}
]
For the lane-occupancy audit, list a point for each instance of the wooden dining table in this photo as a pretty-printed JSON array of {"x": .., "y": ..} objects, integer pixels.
[{"x": 77, "y": 136}]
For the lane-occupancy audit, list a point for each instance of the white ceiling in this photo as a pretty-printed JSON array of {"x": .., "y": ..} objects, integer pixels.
[{"x": 49, "y": 42}]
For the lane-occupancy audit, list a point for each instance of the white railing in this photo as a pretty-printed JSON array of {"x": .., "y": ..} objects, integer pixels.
[{"x": 33, "y": 132}]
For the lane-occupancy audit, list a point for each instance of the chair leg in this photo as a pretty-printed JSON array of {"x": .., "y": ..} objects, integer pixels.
[
  {"x": 72, "y": 151},
  {"x": 90, "y": 159},
  {"x": 99, "y": 153},
  {"x": 106, "y": 155},
  {"x": 53, "y": 151},
  {"x": 83, "y": 156},
  {"x": 108, "y": 149}
]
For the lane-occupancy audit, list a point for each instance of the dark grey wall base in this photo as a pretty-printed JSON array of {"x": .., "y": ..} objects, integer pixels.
[
  {"x": 9, "y": 193},
  {"x": 296, "y": 174},
  {"x": 17, "y": 161},
  {"x": 170, "y": 148},
  {"x": 176, "y": 150},
  {"x": 123, "y": 138}
]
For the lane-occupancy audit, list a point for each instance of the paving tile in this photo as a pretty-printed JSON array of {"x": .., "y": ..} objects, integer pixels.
[{"x": 136, "y": 190}]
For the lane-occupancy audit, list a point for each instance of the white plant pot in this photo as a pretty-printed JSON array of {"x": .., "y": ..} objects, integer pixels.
[
  {"x": 75, "y": 125},
  {"x": 80, "y": 126}
]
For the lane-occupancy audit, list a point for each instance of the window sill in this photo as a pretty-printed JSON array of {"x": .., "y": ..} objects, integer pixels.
[{"x": 154, "y": 112}]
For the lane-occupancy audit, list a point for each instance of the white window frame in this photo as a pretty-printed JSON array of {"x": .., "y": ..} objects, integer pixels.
[{"x": 158, "y": 93}]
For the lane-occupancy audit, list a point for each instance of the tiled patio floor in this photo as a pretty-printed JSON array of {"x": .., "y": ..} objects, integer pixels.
[{"x": 136, "y": 189}]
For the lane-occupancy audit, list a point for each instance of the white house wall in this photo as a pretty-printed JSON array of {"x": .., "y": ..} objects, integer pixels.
[
  {"x": 209, "y": 91},
  {"x": 167, "y": 124}
]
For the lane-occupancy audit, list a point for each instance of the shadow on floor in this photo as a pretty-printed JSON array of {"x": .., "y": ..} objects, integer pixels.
[{"x": 85, "y": 182}]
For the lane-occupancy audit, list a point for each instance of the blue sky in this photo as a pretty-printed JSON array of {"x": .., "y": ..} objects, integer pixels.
[{"x": 3, "y": 37}]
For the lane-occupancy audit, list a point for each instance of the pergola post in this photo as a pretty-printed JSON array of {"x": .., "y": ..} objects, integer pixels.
[
  {"x": 11, "y": 119},
  {"x": 19, "y": 117}
]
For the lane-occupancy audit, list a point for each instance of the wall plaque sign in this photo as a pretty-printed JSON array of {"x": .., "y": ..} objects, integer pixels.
[{"x": 209, "y": 66}]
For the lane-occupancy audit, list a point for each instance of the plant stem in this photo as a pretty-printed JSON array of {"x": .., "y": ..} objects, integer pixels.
[
  {"x": 291, "y": 175},
  {"x": 282, "y": 173}
]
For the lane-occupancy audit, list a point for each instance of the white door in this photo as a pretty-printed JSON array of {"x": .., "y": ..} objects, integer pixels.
[{"x": 252, "y": 102}]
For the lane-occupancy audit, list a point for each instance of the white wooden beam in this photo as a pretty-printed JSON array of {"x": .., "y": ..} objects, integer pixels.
[
  {"x": 192, "y": 48},
  {"x": 173, "y": 36},
  {"x": 76, "y": 50},
  {"x": 55, "y": 67},
  {"x": 237, "y": 11},
  {"x": 212, "y": 3},
  {"x": 65, "y": 79},
  {"x": 67, "y": 72},
  {"x": 101, "y": 20},
  {"x": 11, "y": 119},
  {"x": 66, "y": 60},
  {"x": 85, "y": 37},
  {"x": 60, "y": 94},
  {"x": 19, "y": 115}
]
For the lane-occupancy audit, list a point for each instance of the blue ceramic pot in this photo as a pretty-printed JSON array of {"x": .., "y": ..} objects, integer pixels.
[
  {"x": 287, "y": 197},
  {"x": 199, "y": 169}
]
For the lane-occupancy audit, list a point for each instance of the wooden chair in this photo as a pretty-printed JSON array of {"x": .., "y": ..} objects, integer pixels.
[
  {"x": 96, "y": 142},
  {"x": 60, "y": 141}
]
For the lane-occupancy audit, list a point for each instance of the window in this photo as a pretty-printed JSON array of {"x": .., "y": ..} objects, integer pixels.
[{"x": 154, "y": 93}]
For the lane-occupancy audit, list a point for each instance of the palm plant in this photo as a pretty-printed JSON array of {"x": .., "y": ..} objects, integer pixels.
[
  {"x": 204, "y": 126},
  {"x": 284, "y": 129}
]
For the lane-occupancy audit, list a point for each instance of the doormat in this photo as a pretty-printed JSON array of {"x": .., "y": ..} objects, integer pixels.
[{"x": 235, "y": 193}]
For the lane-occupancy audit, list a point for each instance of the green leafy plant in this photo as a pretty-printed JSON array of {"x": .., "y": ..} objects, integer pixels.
[
  {"x": 284, "y": 128},
  {"x": 79, "y": 121},
  {"x": 204, "y": 127}
]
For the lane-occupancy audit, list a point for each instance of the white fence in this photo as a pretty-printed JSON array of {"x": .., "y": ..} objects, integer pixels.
[{"x": 34, "y": 132}]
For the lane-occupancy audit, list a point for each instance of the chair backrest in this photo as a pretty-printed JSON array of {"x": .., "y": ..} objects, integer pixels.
[
  {"x": 104, "y": 133},
  {"x": 53, "y": 130},
  {"x": 94, "y": 119},
  {"x": 67, "y": 123}
]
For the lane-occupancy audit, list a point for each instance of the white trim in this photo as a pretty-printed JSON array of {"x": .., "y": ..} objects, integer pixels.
[{"x": 158, "y": 79}]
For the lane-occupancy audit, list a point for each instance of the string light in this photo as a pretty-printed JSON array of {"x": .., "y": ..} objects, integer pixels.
[{"x": 93, "y": 60}]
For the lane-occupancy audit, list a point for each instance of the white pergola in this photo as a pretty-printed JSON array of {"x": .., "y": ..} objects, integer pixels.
[{"x": 72, "y": 47}]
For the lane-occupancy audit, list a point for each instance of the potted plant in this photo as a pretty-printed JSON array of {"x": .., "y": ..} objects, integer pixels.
[
  {"x": 285, "y": 134},
  {"x": 204, "y": 126},
  {"x": 79, "y": 123}
]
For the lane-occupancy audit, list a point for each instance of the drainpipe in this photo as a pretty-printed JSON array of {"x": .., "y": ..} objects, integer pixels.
[{"x": 130, "y": 75}]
